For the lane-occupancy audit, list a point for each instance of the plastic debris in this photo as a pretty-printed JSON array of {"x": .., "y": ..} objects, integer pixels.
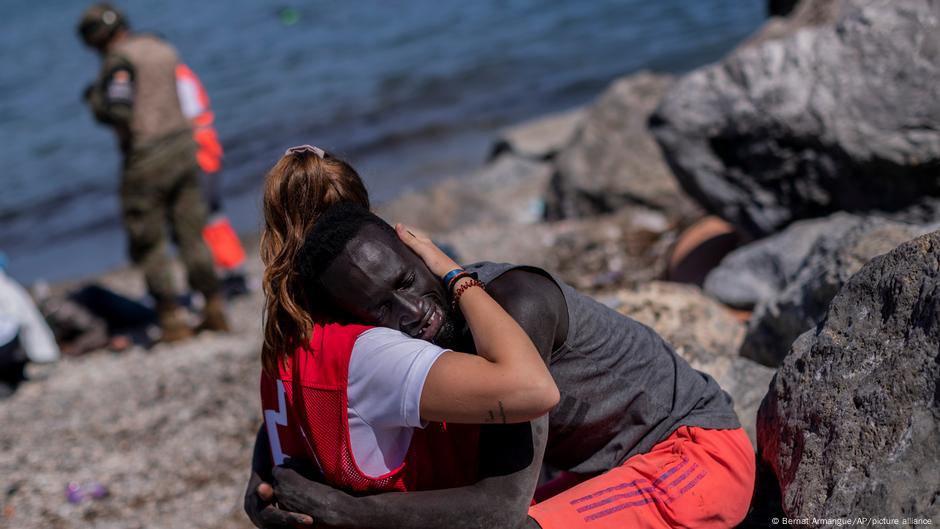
[{"x": 76, "y": 493}]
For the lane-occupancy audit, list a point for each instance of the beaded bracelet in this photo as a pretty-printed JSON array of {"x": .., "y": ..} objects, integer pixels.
[{"x": 463, "y": 288}]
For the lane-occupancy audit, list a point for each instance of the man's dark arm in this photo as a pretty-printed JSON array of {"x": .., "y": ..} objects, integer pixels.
[
  {"x": 259, "y": 505},
  {"x": 537, "y": 304},
  {"x": 510, "y": 455},
  {"x": 495, "y": 502}
]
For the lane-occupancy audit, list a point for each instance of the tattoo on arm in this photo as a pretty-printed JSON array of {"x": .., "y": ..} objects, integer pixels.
[{"x": 491, "y": 417}]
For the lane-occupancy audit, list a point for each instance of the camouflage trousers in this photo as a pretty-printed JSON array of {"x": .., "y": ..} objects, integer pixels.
[{"x": 160, "y": 189}]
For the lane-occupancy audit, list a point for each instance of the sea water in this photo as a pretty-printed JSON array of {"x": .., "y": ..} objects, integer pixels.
[{"x": 409, "y": 91}]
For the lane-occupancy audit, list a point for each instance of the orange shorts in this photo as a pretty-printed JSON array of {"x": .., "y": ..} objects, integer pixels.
[{"x": 695, "y": 478}]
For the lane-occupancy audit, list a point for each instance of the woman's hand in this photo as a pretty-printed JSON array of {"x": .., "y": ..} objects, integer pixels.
[{"x": 437, "y": 261}]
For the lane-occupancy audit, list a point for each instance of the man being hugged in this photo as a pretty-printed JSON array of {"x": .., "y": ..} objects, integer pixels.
[{"x": 645, "y": 440}]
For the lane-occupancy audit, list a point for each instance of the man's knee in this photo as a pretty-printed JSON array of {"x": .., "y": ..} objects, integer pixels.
[
  {"x": 144, "y": 247},
  {"x": 188, "y": 220},
  {"x": 189, "y": 203}
]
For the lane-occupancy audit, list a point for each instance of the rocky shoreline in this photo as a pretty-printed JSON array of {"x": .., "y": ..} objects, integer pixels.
[{"x": 817, "y": 144}]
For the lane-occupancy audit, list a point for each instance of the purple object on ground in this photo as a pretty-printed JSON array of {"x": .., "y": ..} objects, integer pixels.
[{"x": 76, "y": 493}]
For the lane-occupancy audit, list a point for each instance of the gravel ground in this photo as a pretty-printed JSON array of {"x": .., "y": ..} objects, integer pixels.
[{"x": 168, "y": 431}]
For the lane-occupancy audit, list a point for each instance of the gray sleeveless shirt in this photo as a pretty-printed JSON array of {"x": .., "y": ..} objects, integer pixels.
[{"x": 623, "y": 388}]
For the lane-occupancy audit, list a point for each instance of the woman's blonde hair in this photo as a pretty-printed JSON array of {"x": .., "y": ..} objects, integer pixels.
[{"x": 300, "y": 186}]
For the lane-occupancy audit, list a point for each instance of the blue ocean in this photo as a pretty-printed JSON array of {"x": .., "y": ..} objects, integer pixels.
[{"x": 409, "y": 91}]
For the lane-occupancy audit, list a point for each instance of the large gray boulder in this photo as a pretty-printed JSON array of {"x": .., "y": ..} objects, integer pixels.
[
  {"x": 705, "y": 334},
  {"x": 758, "y": 271},
  {"x": 613, "y": 160},
  {"x": 851, "y": 425},
  {"x": 840, "y": 117},
  {"x": 801, "y": 305}
]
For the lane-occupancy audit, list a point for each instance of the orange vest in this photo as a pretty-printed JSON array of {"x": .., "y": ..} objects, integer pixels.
[{"x": 195, "y": 104}]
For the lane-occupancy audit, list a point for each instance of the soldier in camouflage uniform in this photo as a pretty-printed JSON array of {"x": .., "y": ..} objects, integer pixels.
[{"x": 135, "y": 93}]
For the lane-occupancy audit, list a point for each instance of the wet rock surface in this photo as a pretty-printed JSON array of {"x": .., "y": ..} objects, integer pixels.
[
  {"x": 831, "y": 118},
  {"x": 852, "y": 421}
]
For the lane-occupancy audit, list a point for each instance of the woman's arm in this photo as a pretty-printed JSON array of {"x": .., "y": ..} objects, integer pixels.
[{"x": 505, "y": 382}]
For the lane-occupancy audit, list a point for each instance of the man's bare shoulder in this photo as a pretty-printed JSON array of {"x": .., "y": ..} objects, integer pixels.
[{"x": 528, "y": 289}]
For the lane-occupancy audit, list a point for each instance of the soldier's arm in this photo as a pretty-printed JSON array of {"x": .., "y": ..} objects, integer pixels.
[
  {"x": 111, "y": 97},
  {"x": 510, "y": 455}
]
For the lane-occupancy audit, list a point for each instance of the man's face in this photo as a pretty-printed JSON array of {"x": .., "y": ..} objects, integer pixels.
[{"x": 377, "y": 280}]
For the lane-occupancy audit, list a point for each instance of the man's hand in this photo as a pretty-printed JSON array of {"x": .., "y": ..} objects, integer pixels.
[
  {"x": 297, "y": 493},
  {"x": 259, "y": 497},
  {"x": 259, "y": 505}
]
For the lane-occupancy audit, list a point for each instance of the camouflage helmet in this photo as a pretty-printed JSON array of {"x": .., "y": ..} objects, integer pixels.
[{"x": 99, "y": 23}]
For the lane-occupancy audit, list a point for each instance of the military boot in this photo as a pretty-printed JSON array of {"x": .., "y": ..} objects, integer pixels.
[
  {"x": 214, "y": 314},
  {"x": 173, "y": 326}
]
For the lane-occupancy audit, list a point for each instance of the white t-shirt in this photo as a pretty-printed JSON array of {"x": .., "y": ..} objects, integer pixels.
[
  {"x": 387, "y": 371},
  {"x": 188, "y": 94},
  {"x": 35, "y": 336}
]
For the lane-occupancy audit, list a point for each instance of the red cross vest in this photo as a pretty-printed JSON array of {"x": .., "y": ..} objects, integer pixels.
[{"x": 305, "y": 413}]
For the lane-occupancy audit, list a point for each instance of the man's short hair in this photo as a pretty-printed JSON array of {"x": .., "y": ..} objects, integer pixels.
[{"x": 338, "y": 225}]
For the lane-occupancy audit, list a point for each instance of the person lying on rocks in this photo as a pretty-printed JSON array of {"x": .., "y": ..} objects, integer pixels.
[
  {"x": 645, "y": 440},
  {"x": 94, "y": 317}
]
